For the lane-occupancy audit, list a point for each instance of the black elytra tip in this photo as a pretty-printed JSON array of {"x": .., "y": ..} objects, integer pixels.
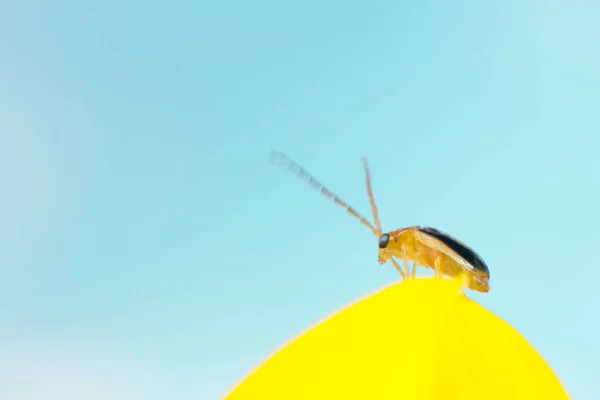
[
  {"x": 468, "y": 254},
  {"x": 384, "y": 240}
]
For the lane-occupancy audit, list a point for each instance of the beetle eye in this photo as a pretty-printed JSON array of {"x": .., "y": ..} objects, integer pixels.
[{"x": 384, "y": 240}]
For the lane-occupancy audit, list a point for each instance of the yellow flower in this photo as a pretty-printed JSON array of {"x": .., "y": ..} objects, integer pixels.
[{"x": 417, "y": 339}]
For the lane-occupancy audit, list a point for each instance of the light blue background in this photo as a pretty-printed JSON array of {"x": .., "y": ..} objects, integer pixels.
[{"x": 148, "y": 250}]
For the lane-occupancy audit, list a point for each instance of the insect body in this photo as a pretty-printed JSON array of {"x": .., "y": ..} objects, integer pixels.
[
  {"x": 423, "y": 246},
  {"x": 437, "y": 250}
]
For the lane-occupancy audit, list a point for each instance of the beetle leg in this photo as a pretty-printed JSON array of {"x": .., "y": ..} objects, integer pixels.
[
  {"x": 406, "y": 270},
  {"x": 395, "y": 264},
  {"x": 416, "y": 262},
  {"x": 464, "y": 282},
  {"x": 437, "y": 268}
]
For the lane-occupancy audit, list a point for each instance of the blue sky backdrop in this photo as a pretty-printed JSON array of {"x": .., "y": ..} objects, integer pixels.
[{"x": 149, "y": 251}]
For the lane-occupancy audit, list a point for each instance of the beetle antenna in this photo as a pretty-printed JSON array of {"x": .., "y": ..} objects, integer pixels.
[
  {"x": 377, "y": 230},
  {"x": 285, "y": 162}
]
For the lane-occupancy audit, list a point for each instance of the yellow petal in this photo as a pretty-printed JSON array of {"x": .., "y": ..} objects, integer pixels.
[{"x": 417, "y": 339}]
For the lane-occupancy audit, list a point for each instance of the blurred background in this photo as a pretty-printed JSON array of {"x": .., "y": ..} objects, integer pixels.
[{"x": 149, "y": 251}]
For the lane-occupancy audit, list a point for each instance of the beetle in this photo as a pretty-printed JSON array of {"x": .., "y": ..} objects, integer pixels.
[{"x": 424, "y": 246}]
